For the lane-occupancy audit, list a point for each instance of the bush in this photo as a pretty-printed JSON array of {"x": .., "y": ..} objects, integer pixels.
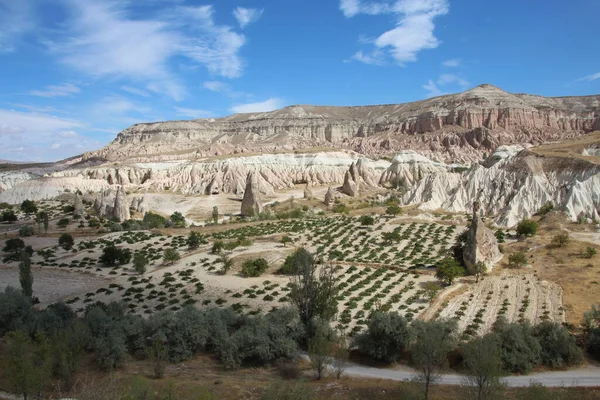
[
  {"x": 517, "y": 260},
  {"x": 295, "y": 260},
  {"x": 9, "y": 216},
  {"x": 527, "y": 227},
  {"x": 449, "y": 269},
  {"x": 254, "y": 267},
  {"x": 520, "y": 350},
  {"x": 559, "y": 348},
  {"x": 14, "y": 247},
  {"x": 28, "y": 207},
  {"x": 387, "y": 336},
  {"x": 152, "y": 220},
  {"x": 112, "y": 255},
  {"x": 178, "y": 219},
  {"x": 139, "y": 263},
  {"x": 545, "y": 209},
  {"x": 63, "y": 222},
  {"x": 340, "y": 208},
  {"x": 393, "y": 210},
  {"x": 194, "y": 240},
  {"x": 66, "y": 241},
  {"x": 171, "y": 256},
  {"x": 560, "y": 240},
  {"x": 26, "y": 231},
  {"x": 590, "y": 252},
  {"x": 366, "y": 220}
]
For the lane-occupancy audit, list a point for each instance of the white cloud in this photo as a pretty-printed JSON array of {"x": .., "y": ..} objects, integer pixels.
[
  {"x": 67, "y": 134},
  {"x": 33, "y": 124},
  {"x": 590, "y": 78},
  {"x": 192, "y": 112},
  {"x": 117, "y": 105},
  {"x": 264, "y": 106},
  {"x": 16, "y": 19},
  {"x": 453, "y": 62},
  {"x": 434, "y": 87},
  {"x": 375, "y": 58},
  {"x": 102, "y": 38},
  {"x": 133, "y": 90},
  {"x": 414, "y": 28},
  {"x": 224, "y": 88},
  {"x": 62, "y": 90},
  {"x": 246, "y": 16}
]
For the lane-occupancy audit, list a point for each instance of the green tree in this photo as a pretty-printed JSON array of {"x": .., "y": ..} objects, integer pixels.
[
  {"x": 433, "y": 340},
  {"x": 517, "y": 260},
  {"x": 42, "y": 218},
  {"x": 340, "y": 356},
  {"x": 215, "y": 215},
  {"x": 592, "y": 331},
  {"x": 560, "y": 240},
  {"x": 194, "y": 240},
  {"x": 111, "y": 255},
  {"x": 477, "y": 269},
  {"x": 431, "y": 289},
  {"x": 27, "y": 364},
  {"x": 158, "y": 352},
  {"x": 386, "y": 337},
  {"x": 393, "y": 236},
  {"x": 366, "y": 220},
  {"x": 590, "y": 252},
  {"x": 500, "y": 235},
  {"x": 285, "y": 240},
  {"x": 140, "y": 262},
  {"x": 527, "y": 227},
  {"x": 9, "y": 216},
  {"x": 319, "y": 352},
  {"x": 559, "y": 347},
  {"x": 66, "y": 241},
  {"x": 63, "y": 223},
  {"x": 217, "y": 247},
  {"x": 153, "y": 221},
  {"x": 449, "y": 269},
  {"x": 393, "y": 210},
  {"x": 520, "y": 350},
  {"x": 170, "y": 256},
  {"x": 25, "y": 274},
  {"x": 227, "y": 263},
  {"x": 254, "y": 267},
  {"x": 545, "y": 209},
  {"x": 483, "y": 367},
  {"x": 13, "y": 247},
  {"x": 28, "y": 207},
  {"x": 313, "y": 291},
  {"x": 68, "y": 346},
  {"x": 294, "y": 261},
  {"x": 178, "y": 219}
]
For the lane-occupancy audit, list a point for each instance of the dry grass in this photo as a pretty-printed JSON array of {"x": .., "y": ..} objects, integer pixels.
[{"x": 571, "y": 148}]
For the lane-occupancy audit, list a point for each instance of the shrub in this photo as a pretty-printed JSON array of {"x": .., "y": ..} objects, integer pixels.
[
  {"x": 366, "y": 220},
  {"x": 254, "y": 267},
  {"x": 560, "y": 240},
  {"x": 500, "y": 236},
  {"x": 295, "y": 260},
  {"x": 139, "y": 263},
  {"x": 449, "y": 269},
  {"x": 520, "y": 350},
  {"x": 545, "y": 209},
  {"x": 527, "y": 227},
  {"x": 178, "y": 219},
  {"x": 393, "y": 210},
  {"x": 152, "y": 220},
  {"x": 28, "y": 207},
  {"x": 590, "y": 252},
  {"x": 387, "y": 336},
  {"x": 66, "y": 241},
  {"x": 63, "y": 222},
  {"x": 111, "y": 255},
  {"x": 194, "y": 240},
  {"x": 559, "y": 348},
  {"x": 26, "y": 231},
  {"x": 13, "y": 247},
  {"x": 217, "y": 247},
  {"x": 170, "y": 256},
  {"x": 517, "y": 260},
  {"x": 340, "y": 208},
  {"x": 9, "y": 216}
]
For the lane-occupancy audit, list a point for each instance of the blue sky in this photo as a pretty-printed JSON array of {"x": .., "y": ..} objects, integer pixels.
[{"x": 76, "y": 72}]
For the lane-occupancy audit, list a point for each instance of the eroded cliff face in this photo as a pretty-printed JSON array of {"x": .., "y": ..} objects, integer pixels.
[
  {"x": 513, "y": 184},
  {"x": 459, "y": 127}
]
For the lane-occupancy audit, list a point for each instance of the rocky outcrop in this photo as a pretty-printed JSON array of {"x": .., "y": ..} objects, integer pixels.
[
  {"x": 120, "y": 209},
  {"x": 78, "y": 208},
  {"x": 408, "y": 168},
  {"x": 139, "y": 205},
  {"x": 512, "y": 186},
  {"x": 50, "y": 187},
  {"x": 359, "y": 175},
  {"x": 464, "y": 125},
  {"x": 329, "y": 197},
  {"x": 251, "y": 205},
  {"x": 481, "y": 244},
  {"x": 308, "y": 194},
  {"x": 351, "y": 184}
]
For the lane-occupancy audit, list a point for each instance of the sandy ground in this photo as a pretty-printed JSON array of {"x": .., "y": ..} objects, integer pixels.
[{"x": 51, "y": 285}]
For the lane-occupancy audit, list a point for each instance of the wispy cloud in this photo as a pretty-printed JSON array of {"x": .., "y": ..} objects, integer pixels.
[
  {"x": 192, "y": 112},
  {"x": 433, "y": 87},
  {"x": 264, "y": 106},
  {"x": 590, "y": 78},
  {"x": 63, "y": 90},
  {"x": 452, "y": 63},
  {"x": 104, "y": 39},
  {"x": 136, "y": 91},
  {"x": 375, "y": 58},
  {"x": 223, "y": 88},
  {"x": 16, "y": 19},
  {"x": 414, "y": 28},
  {"x": 246, "y": 16}
]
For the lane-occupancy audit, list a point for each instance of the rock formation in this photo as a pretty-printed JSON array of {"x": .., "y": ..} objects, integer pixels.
[
  {"x": 329, "y": 197},
  {"x": 78, "y": 208},
  {"x": 459, "y": 127},
  {"x": 408, "y": 168},
  {"x": 351, "y": 184},
  {"x": 514, "y": 185},
  {"x": 138, "y": 204},
  {"x": 481, "y": 244},
  {"x": 308, "y": 195},
  {"x": 120, "y": 209},
  {"x": 251, "y": 205}
]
